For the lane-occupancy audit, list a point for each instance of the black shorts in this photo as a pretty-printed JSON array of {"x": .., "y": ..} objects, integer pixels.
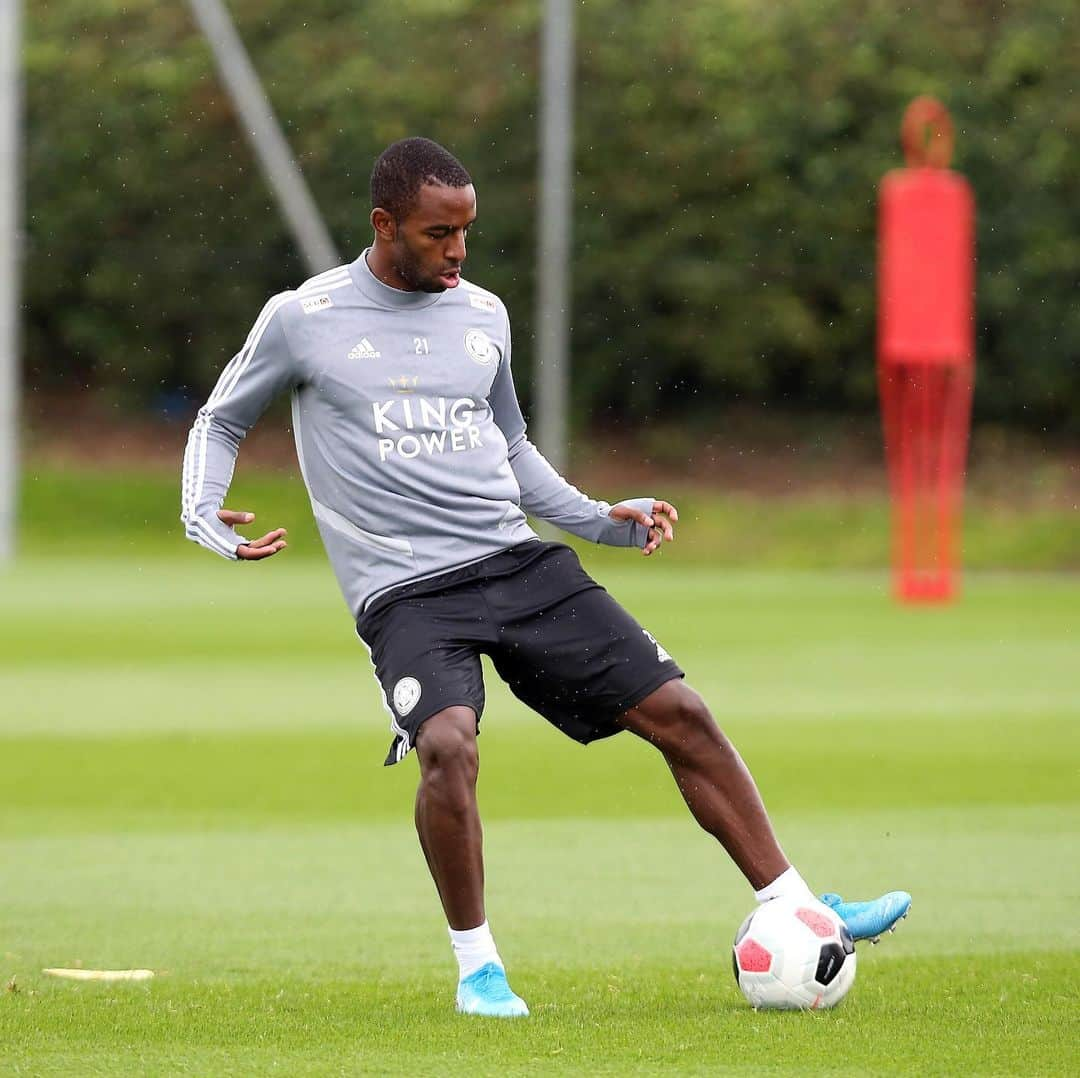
[{"x": 562, "y": 644}]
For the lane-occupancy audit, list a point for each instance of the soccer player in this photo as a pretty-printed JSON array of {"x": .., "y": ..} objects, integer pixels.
[{"x": 414, "y": 451}]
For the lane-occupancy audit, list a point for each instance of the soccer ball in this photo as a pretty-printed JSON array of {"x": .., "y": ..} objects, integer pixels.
[{"x": 793, "y": 954}]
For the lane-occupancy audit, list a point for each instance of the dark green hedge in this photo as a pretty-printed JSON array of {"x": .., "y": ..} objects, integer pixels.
[{"x": 727, "y": 158}]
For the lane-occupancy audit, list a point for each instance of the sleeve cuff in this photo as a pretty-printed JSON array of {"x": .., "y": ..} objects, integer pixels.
[{"x": 630, "y": 533}]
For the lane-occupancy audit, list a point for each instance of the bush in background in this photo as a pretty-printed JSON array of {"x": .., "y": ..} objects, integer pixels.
[{"x": 727, "y": 158}]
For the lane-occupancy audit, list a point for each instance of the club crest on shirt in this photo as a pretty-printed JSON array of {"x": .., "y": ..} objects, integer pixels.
[
  {"x": 480, "y": 347},
  {"x": 406, "y": 695}
]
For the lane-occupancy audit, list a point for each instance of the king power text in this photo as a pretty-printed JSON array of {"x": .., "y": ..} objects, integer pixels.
[{"x": 440, "y": 426}]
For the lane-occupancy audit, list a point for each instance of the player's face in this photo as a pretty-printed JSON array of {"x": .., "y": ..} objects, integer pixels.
[{"x": 429, "y": 244}]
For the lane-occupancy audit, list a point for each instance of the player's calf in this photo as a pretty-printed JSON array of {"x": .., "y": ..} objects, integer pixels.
[
  {"x": 447, "y": 817},
  {"x": 715, "y": 783}
]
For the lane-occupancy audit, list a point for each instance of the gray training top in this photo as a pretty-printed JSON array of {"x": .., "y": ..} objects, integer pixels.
[{"x": 408, "y": 431}]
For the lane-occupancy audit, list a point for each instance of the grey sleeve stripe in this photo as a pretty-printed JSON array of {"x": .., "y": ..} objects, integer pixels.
[
  {"x": 195, "y": 527},
  {"x": 205, "y": 536}
]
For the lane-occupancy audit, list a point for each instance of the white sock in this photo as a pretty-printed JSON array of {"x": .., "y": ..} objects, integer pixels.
[
  {"x": 473, "y": 948},
  {"x": 788, "y": 883}
]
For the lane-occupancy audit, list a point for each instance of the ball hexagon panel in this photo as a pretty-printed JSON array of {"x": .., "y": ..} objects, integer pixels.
[
  {"x": 753, "y": 958},
  {"x": 818, "y": 923},
  {"x": 830, "y": 962}
]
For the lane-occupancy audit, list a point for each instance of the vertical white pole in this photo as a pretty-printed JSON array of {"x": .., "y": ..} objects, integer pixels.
[
  {"x": 10, "y": 257},
  {"x": 263, "y": 131},
  {"x": 556, "y": 211}
]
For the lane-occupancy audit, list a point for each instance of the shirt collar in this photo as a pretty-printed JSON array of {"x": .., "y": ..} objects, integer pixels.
[{"x": 383, "y": 294}]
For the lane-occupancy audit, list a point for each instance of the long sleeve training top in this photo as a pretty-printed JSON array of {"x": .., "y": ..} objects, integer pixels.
[{"x": 408, "y": 432}]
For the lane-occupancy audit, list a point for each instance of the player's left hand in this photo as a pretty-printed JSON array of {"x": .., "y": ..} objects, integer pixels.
[{"x": 664, "y": 515}]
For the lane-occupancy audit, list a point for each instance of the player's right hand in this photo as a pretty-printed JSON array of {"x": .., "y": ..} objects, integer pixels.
[{"x": 264, "y": 547}]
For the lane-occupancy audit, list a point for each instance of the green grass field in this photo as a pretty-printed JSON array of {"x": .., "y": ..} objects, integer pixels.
[
  {"x": 191, "y": 781},
  {"x": 135, "y": 514}
]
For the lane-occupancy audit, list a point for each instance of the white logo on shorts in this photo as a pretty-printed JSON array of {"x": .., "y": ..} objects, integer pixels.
[
  {"x": 480, "y": 347},
  {"x": 661, "y": 654},
  {"x": 406, "y": 695}
]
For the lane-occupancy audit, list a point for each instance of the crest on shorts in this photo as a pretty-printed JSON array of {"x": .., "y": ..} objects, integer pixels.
[
  {"x": 661, "y": 654},
  {"x": 480, "y": 347},
  {"x": 406, "y": 695}
]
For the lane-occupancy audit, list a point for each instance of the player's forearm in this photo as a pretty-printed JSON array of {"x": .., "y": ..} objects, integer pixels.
[
  {"x": 547, "y": 495},
  {"x": 255, "y": 375},
  {"x": 209, "y": 460}
]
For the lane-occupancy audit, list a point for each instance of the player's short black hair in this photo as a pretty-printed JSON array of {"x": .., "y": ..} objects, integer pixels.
[{"x": 404, "y": 167}]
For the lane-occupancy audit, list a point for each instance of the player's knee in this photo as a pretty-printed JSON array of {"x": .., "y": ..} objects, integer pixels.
[
  {"x": 692, "y": 718},
  {"x": 446, "y": 745},
  {"x": 682, "y": 724}
]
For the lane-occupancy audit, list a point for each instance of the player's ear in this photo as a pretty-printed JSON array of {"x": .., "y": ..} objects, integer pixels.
[{"x": 384, "y": 224}]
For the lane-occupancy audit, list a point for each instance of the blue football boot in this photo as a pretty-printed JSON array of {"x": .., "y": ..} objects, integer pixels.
[
  {"x": 486, "y": 992},
  {"x": 868, "y": 920}
]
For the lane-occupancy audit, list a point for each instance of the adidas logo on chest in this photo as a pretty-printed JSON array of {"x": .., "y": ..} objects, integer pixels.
[{"x": 365, "y": 350}]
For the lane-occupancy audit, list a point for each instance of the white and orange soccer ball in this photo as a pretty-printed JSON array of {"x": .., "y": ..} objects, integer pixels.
[{"x": 793, "y": 954}]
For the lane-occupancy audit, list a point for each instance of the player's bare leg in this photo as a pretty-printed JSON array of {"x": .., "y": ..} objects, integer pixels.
[
  {"x": 448, "y": 823},
  {"x": 715, "y": 783},
  {"x": 447, "y": 816},
  {"x": 722, "y": 795}
]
